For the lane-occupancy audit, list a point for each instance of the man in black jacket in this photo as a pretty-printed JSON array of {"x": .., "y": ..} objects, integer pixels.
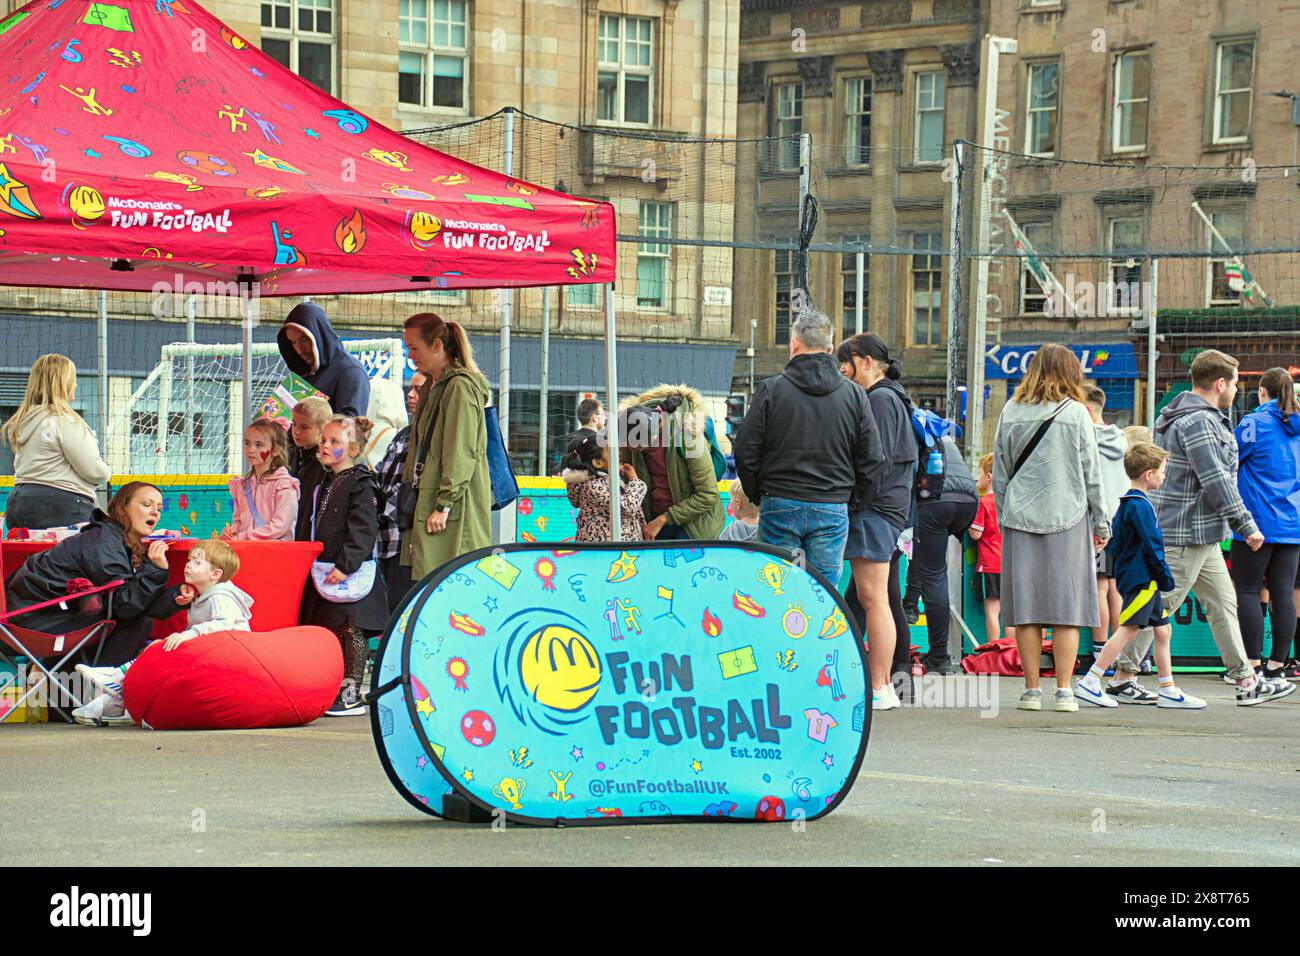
[{"x": 808, "y": 451}]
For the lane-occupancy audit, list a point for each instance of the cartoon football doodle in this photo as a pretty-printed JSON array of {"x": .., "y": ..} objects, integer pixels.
[
  {"x": 84, "y": 204},
  {"x": 421, "y": 228},
  {"x": 203, "y": 162}
]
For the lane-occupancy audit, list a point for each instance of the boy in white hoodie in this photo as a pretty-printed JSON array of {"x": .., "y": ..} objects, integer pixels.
[
  {"x": 1111, "y": 446},
  {"x": 215, "y": 604}
]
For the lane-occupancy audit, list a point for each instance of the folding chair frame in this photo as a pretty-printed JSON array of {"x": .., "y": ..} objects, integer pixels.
[{"x": 96, "y": 633}]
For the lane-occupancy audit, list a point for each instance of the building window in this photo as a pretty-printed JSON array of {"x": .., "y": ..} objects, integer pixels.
[
  {"x": 299, "y": 35},
  {"x": 433, "y": 54},
  {"x": 1124, "y": 268},
  {"x": 785, "y": 285},
  {"x": 927, "y": 289},
  {"x": 849, "y": 285},
  {"x": 583, "y": 296},
  {"x": 653, "y": 259},
  {"x": 1234, "y": 66},
  {"x": 625, "y": 71},
  {"x": 858, "y": 108},
  {"x": 1132, "y": 99},
  {"x": 787, "y": 124},
  {"x": 928, "y": 138},
  {"x": 1223, "y": 273},
  {"x": 1032, "y": 297},
  {"x": 1041, "y": 108}
]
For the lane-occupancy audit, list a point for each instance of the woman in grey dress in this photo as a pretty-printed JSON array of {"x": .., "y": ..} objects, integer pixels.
[{"x": 1047, "y": 487}]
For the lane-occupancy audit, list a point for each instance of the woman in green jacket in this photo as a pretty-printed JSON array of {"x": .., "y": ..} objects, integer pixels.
[{"x": 453, "y": 510}]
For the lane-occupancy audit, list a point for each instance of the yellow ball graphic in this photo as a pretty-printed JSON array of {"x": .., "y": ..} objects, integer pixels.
[
  {"x": 559, "y": 668},
  {"x": 86, "y": 203},
  {"x": 424, "y": 226}
]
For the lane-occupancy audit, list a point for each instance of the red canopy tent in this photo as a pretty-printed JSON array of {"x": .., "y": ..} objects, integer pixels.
[{"x": 140, "y": 139}]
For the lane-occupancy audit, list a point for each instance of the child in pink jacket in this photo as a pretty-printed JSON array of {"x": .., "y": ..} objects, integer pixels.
[{"x": 266, "y": 499}]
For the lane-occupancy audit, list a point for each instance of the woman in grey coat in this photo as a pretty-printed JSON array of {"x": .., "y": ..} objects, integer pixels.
[{"x": 1048, "y": 491}]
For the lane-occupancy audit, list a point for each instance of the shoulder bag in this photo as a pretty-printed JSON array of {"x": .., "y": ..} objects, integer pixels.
[{"x": 352, "y": 588}]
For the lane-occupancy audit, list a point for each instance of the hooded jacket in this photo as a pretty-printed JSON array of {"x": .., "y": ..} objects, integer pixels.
[
  {"x": 276, "y": 499},
  {"x": 1137, "y": 547},
  {"x": 222, "y": 607},
  {"x": 1111, "y": 447},
  {"x": 455, "y": 471},
  {"x": 58, "y": 451},
  {"x": 347, "y": 526},
  {"x": 1268, "y": 448},
  {"x": 890, "y": 496},
  {"x": 1199, "y": 502},
  {"x": 334, "y": 372},
  {"x": 697, "y": 505},
  {"x": 387, "y": 413},
  {"x": 98, "y": 553},
  {"x": 809, "y": 436}
]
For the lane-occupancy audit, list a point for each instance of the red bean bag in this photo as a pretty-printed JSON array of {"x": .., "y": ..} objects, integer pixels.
[{"x": 232, "y": 680}]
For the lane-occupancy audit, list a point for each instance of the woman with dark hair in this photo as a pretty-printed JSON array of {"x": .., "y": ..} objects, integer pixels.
[
  {"x": 1268, "y": 451},
  {"x": 1049, "y": 497},
  {"x": 448, "y": 450},
  {"x": 111, "y": 547},
  {"x": 873, "y": 533}
]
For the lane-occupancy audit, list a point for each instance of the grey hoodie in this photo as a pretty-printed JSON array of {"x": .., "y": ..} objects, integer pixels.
[
  {"x": 222, "y": 607},
  {"x": 1111, "y": 446},
  {"x": 1199, "y": 502}
]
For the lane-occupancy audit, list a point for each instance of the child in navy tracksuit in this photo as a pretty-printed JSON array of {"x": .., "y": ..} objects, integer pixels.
[{"x": 1137, "y": 549}]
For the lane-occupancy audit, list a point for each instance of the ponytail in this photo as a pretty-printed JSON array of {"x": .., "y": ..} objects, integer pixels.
[
  {"x": 1277, "y": 382},
  {"x": 455, "y": 342},
  {"x": 868, "y": 345}
]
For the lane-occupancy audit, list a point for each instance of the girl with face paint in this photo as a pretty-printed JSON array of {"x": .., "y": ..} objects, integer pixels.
[
  {"x": 344, "y": 517},
  {"x": 265, "y": 501}
]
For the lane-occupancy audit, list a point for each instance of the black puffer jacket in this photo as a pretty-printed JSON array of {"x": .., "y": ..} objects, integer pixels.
[
  {"x": 892, "y": 409},
  {"x": 809, "y": 436},
  {"x": 347, "y": 525},
  {"x": 99, "y": 553}
]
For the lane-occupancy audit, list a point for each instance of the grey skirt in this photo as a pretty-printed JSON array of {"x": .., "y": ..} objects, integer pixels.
[{"x": 1050, "y": 578}]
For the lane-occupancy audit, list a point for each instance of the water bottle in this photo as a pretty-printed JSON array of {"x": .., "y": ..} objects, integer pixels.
[{"x": 932, "y": 484}]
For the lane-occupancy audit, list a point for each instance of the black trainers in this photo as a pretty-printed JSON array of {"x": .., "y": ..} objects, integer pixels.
[
  {"x": 1131, "y": 692},
  {"x": 345, "y": 705},
  {"x": 1263, "y": 691},
  {"x": 912, "y": 611},
  {"x": 942, "y": 666}
]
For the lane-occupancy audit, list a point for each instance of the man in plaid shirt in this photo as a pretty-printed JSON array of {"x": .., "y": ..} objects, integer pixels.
[
  {"x": 389, "y": 480},
  {"x": 1198, "y": 507}
]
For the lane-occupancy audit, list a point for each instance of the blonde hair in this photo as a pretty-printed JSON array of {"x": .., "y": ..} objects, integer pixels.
[
  {"x": 1136, "y": 433},
  {"x": 316, "y": 409},
  {"x": 221, "y": 556},
  {"x": 49, "y": 387},
  {"x": 357, "y": 429},
  {"x": 433, "y": 327},
  {"x": 1054, "y": 375},
  {"x": 986, "y": 468},
  {"x": 279, "y": 457},
  {"x": 741, "y": 508}
]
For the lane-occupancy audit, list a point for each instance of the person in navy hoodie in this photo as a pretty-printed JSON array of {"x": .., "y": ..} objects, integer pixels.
[
  {"x": 1137, "y": 552},
  {"x": 313, "y": 351},
  {"x": 1268, "y": 449}
]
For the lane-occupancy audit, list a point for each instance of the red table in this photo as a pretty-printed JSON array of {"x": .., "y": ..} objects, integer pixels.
[{"x": 272, "y": 573}]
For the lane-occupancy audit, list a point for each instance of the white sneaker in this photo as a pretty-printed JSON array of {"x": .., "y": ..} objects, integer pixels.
[
  {"x": 107, "y": 679},
  {"x": 883, "y": 698},
  {"x": 893, "y": 696},
  {"x": 103, "y": 710},
  {"x": 1094, "y": 695},
  {"x": 1173, "y": 698}
]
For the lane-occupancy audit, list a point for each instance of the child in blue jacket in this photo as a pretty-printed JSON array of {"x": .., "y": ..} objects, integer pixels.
[{"x": 1137, "y": 550}]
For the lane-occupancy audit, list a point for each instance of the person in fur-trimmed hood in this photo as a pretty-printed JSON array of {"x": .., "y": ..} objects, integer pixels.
[{"x": 663, "y": 434}]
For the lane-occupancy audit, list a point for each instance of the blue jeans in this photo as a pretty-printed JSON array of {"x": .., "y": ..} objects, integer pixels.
[{"x": 816, "y": 528}]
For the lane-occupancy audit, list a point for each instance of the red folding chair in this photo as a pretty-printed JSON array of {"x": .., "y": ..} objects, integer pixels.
[{"x": 38, "y": 645}]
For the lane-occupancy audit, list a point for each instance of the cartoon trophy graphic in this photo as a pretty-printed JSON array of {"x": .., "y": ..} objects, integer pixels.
[
  {"x": 510, "y": 790},
  {"x": 773, "y": 575}
]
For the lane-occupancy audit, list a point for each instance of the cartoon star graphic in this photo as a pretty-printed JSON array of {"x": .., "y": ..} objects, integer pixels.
[
  {"x": 576, "y": 753},
  {"x": 421, "y": 762},
  {"x": 623, "y": 568},
  {"x": 424, "y": 706},
  {"x": 828, "y": 760},
  {"x": 467, "y": 775},
  {"x": 490, "y": 604},
  {"x": 696, "y": 765}
]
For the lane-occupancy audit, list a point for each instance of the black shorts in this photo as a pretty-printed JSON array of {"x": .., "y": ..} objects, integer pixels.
[
  {"x": 1105, "y": 565},
  {"x": 1144, "y": 608},
  {"x": 988, "y": 585}
]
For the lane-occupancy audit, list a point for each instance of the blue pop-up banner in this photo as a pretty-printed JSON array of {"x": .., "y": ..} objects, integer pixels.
[{"x": 624, "y": 683}]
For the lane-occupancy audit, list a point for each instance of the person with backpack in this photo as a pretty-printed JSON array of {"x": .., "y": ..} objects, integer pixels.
[
  {"x": 1047, "y": 486},
  {"x": 665, "y": 432},
  {"x": 873, "y": 531},
  {"x": 808, "y": 450}
]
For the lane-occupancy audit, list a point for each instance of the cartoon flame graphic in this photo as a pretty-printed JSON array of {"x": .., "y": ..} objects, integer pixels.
[
  {"x": 711, "y": 624},
  {"x": 350, "y": 233}
]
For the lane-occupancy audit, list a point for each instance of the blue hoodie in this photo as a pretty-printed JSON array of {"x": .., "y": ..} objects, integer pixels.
[
  {"x": 1268, "y": 449},
  {"x": 1137, "y": 547},
  {"x": 335, "y": 372}
]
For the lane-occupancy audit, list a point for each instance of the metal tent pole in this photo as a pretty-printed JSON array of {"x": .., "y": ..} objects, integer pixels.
[
  {"x": 857, "y": 295},
  {"x": 507, "y": 515},
  {"x": 189, "y": 387},
  {"x": 1151, "y": 346},
  {"x": 955, "y": 356},
  {"x": 542, "y": 448},
  {"x": 102, "y": 417},
  {"x": 248, "y": 315},
  {"x": 611, "y": 404}
]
